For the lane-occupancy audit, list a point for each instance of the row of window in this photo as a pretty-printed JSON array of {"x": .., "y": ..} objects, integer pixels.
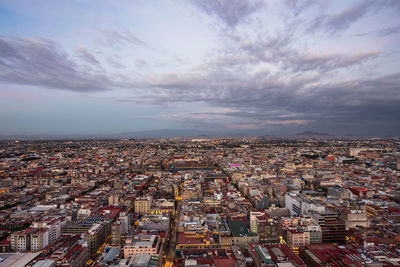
[{"x": 141, "y": 250}]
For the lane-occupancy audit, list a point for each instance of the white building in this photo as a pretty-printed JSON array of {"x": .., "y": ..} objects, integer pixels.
[
  {"x": 125, "y": 222},
  {"x": 54, "y": 226}
]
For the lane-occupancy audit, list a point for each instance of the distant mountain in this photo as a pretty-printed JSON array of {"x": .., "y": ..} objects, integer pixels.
[
  {"x": 265, "y": 136},
  {"x": 238, "y": 135},
  {"x": 168, "y": 133},
  {"x": 163, "y": 133},
  {"x": 311, "y": 133}
]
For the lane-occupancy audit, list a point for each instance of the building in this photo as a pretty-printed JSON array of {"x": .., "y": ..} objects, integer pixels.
[
  {"x": 54, "y": 226},
  {"x": 265, "y": 227},
  {"x": 255, "y": 216},
  {"x": 359, "y": 191},
  {"x": 113, "y": 200},
  {"x": 157, "y": 222},
  {"x": 143, "y": 259},
  {"x": 68, "y": 250},
  {"x": 143, "y": 205},
  {"x": 268, "y": 231},
  {"x": 209, "y": 256},
  {"x": 20, "y": 241},
  {"x": 260, "y": 202},
  {"x": 355, "y": 217},
  {"x": 39, "y": 239},
  {"x": 116, "y": 233},
  {"x": 96, "y": 236},
  {"x": 45, "y": 263},
  {"x": 353, "y": 152},
  {"x": 331, "y": 255},
  {"x": 31, "y": 239},
  {"x": 332, "y": 227},
  {"x": 125, "y": 220},
  {"x": 240, "y": 236},
  {"x": 299, "y": 204},
  {"x": 273, "y": 255},
  {"x": 315, "y": 233},
  {"x": 143, "y": 244},
  {"x": 297, "y": 237}
]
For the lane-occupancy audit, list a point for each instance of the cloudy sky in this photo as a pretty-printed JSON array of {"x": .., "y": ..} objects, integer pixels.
[{"x": 249, "y": 66}]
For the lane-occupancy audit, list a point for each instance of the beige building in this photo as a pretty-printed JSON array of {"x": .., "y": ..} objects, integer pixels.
[
  {"x": 20, "y": 242},
  {"x": 296, "y": 238},
  {"x": 31, "y": 239},
  {"x": 146, "y": 244},
  {"x": 254, "y": 220},
  {"x": 142, "y": 205},
  {"x": 356, "y": 217},
  {"x": 39, "y": 239},
  {"x": 113, "y": 199}
]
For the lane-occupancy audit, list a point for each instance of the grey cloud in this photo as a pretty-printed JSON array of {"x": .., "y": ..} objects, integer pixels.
[
  {"x": 270, "y": 49},
  {"x": 343, "y": 20},
  {"x": 115, "y": 61},
  {"x": 356, "y": 105},
  {"x": 301, "y": 99},
  {"x": 389, "y": 31},
  {"x": 225, "y": 81},
  {"x": 115, "y": 37},
  {"x": 328, "y": 62},
  {"x": 298, "y": 6},
  {"x": 279, "y": 50},
  {"x": 393, "y": 3},
  {"x": 290, "y": 93},
  {"x": 42, "y": 63},
  {"x": 231, "y": 12},
  {"x": 355, "y": 93},
  {"x": 382, "y": 32},
  {"x": 87, "y": 56},
  {"x": 219, "y": 83},
  {"x": 140, "y": 62}
]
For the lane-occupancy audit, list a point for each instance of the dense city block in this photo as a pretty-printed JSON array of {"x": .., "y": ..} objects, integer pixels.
[{"x": 200, "y": 202}]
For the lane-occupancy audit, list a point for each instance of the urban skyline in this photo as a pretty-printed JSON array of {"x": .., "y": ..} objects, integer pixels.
[{"x": 224, "y": 202}]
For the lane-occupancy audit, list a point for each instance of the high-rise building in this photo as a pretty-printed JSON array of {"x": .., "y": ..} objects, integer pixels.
[
  {"x": 96, "y": 236},
  {"x": 125, "y": 222},
  {"x": 332, "y": 227},
  {"x": 116, "y": 233}
]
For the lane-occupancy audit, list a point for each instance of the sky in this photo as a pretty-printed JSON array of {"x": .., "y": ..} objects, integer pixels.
[{"x": 260, "y": 67}]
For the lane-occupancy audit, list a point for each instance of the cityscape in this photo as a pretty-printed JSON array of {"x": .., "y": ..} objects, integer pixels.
[
  {"x": 201, "y": 202},
  {"x": 200, "y": 133}
]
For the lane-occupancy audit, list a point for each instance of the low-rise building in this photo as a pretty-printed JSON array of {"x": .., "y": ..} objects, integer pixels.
[{"x": 143, "y": 244}]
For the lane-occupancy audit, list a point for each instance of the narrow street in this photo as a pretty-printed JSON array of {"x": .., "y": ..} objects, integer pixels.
[{"x": 174, "y": 230}]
